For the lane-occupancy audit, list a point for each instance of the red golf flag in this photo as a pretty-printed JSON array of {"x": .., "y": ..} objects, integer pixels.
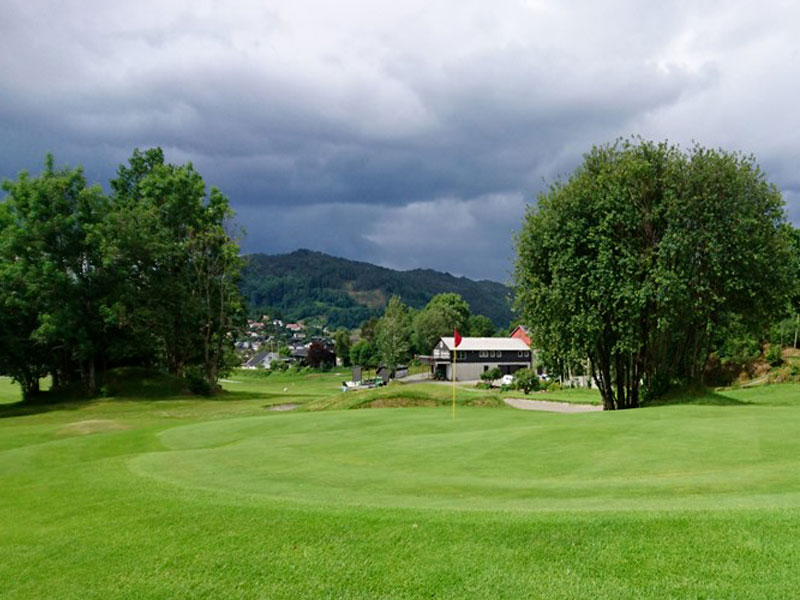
[{"x": 457, "y": 336}]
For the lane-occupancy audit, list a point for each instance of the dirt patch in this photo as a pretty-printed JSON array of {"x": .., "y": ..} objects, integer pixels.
[
  {"x": 92, "y": 426},
  {"x": 398, "y": 403},
  {"x": 562, "y": 407},
  {"x": 282, "y": 407},
  {"x": 370, "y": 298}
]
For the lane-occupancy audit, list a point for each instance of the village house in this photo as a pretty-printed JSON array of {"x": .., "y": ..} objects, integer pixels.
[
  {"x": 262, "y": 360},
  {"x": 475, "y": 355}
]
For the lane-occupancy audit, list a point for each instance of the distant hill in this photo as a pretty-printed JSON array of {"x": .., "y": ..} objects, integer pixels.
[{"x": 305, "y": 284}]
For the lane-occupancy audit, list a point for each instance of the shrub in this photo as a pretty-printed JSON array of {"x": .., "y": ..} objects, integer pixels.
[
  {"x": 196, "y": 381},
  {"x": 491, "y": 375},
  {"x": 526, "y": 380},
  {"x": 774, "y": 356},
  {"x": 278, "y": 365}
]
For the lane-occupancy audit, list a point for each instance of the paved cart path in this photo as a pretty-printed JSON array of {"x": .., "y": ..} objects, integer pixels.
[{"x": 563, "y": 407}]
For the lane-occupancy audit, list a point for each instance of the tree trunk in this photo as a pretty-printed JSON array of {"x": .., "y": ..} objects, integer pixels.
[
  {"x": 91, "y": 387},
  {"x": 30, "y": 387}
]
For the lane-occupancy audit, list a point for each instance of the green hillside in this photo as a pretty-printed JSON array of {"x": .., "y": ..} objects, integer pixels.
[{"x": 306, "y": 284}]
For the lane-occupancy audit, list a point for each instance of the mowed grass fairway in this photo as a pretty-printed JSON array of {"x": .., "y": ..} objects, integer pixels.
[{"x": 222, "y": 498}]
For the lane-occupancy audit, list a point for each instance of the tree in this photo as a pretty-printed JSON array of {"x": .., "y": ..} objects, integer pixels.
[
  {"x": 526, "y": 380},
  {"x": 364, "y": 353},
  {"x": 453, "y": 307},
  {"x": 480, "y": 326},
  {"x": 440, "y": 316},
  {"x": 393, "y": 334},
  {"x": 178, "y": 260},
  {"x": 368, "y": 329},
  {"x": 214, "y": 258},
  {"x": 319, "y": 356},
  {"x": 147, "y": 276},
  {"x": 644, "y": 255},
  {"x": 52, "y": 283},
  {"x": 341, "y": 340}
]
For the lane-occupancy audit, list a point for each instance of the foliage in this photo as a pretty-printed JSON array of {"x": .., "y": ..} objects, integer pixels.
[
  {"x": 368, "y": 328},
  {"x": 305, "y": 283},
  {"x": 480, "y": 326},
  {"x": 196, "y": 381},
  {"x": 364, "y": 353},
  {"x": 341, "y": 341},
  {"x": 439, "y": 317},
  {"x": 319, "y": 356},
  {"x": 491, "y": 374},
  {"x": 52, "y": 282},
  {"x": 146, "y": 277},
  {"x": 393, "y": 334},
  {"x": 180, "y": 263},
  {"x": 784, "y": 332},
  {"x": 645, "y": 255},
  {"x": 526, "y": 380},
  {"x": 774, "y": 355},
  {"x": 278, "y": 365}
]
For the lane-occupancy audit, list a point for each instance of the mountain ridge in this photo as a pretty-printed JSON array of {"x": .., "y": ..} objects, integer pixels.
[{"x": 306, "y": 283}]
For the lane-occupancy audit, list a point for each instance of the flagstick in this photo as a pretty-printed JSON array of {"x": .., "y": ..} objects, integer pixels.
[{"x": 455, "y": 359}]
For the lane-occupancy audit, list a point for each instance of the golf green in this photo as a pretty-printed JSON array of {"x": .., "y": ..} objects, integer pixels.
[{"x": 489, "y": 459}]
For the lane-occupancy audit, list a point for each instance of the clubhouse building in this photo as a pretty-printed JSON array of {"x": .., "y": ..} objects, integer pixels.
[{"x": 478, "y": 354}]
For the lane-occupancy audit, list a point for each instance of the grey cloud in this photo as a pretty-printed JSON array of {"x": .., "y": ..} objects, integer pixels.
[
  {"x": 308, "y": 113},
  {"x": 463, "y": 236}
]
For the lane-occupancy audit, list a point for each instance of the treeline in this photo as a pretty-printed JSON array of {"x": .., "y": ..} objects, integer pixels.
[
  {"x": 146, "y": 275},
  {"x": 306, "y": 284},
  {"x": 402, "y": 332}
]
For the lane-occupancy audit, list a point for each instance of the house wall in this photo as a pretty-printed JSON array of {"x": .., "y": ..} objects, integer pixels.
[{"x": 471, "y": 371}]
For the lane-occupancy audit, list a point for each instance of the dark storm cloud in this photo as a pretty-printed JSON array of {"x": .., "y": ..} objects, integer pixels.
[{"x": 390, "y": 132}]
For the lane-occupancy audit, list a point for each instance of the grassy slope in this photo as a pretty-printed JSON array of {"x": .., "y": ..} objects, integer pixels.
[{"x": 221, "y": 498}]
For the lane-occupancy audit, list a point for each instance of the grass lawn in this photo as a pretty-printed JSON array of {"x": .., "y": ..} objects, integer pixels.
[
  {"x": 571, "y": 395},
  {"x": 179, "y": 497},
  {"x": 9, "y": 392}
]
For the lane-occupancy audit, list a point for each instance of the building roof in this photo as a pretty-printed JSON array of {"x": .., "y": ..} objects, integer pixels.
[
  {"x": 521, "y": 332},
  {"x": 486, "y": 343},
  {"x": 257, "y": 359}
]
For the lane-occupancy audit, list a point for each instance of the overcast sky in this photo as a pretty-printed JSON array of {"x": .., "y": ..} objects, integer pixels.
[{"x": 409, "y": 134}]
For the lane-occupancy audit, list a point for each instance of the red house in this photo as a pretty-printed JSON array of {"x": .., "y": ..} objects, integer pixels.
[{"x": 521, "y": 333}]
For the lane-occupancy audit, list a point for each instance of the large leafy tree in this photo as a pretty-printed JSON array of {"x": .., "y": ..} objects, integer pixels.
[
  {"x": 480, "y": 326},
  {"x": 342, "y": 346},
  {"x": 440, "y": 316},
  {"x": 644, "y": 255},
  {"x": 393, "y": 333},
  {"x": 53, "y": 286},
  {"x": 147, "y": 276},
  {"x": 178, "y": 262}
]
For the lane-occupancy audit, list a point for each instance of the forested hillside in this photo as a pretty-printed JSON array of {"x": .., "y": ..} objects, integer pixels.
[{"x": 306, "y": 284}]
